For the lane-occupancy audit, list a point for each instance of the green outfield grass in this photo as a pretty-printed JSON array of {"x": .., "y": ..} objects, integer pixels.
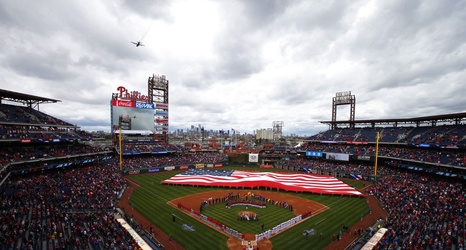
[
  {"x": 152, "y": 197},
  {"x": 270, "y": 216}
]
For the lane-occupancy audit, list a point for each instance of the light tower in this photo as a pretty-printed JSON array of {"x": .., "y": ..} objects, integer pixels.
[{"x": 343, "y": 98}]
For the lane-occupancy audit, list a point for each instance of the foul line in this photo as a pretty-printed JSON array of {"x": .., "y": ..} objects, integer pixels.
[{"x": 135, "y": 183}]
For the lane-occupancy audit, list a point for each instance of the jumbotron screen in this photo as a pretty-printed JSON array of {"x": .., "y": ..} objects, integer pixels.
[{"x": 132, "y": 115}]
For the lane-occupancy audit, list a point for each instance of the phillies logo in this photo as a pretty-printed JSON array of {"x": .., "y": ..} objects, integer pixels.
[{"x": 131, "y": 95}]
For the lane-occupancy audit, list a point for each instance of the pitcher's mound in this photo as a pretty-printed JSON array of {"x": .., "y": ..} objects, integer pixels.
[{"x": 247, "y": 215}]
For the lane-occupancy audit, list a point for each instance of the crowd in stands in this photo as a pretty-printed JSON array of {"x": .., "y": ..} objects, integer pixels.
[
  {"x": 325, "y": 167},
  {"x": 424, "y": 212},
  {"x": 444, "y": 135},
  {"x": 43, "y": 152},
  {"x": 42, "y": 134},
  {"x": 74, "y": 208},
  {"x": 452, "y": 157},
  {"x": 21, "y": 114},
  {"x": 147, "y": 147},
  {"x": 70, "y": 209},
  {"x": 67, "y": 207}
]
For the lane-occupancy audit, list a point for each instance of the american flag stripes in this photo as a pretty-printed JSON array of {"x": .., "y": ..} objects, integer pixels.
[{"x": 311, "y": 183}]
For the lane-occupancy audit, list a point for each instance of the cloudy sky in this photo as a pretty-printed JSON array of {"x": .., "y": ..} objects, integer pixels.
[{"x": 237, "y": 63}]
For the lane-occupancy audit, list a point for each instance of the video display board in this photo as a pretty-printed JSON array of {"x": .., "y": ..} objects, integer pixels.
[
  {"x": 132, "y": 115},
  {"x": 336, "y": 156}
]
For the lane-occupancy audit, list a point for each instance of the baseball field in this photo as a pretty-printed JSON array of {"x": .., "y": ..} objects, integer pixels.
[{"x": 159, "y": 204}]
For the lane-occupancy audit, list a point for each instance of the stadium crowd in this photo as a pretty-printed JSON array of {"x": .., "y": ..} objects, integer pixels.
[
  {"x": 74, "y": 207},
  {"x": 43, "y": 134},
  {"x": 138, "y": 148},
  {"x": 443, "y": 135},
  {"x": 63, "y": 209},
  {"x": 438, "y": 156},
  {"x": 21, "y": 114},
  {"x": 424, "y": 212},
  {"x": 17, "y": 159}
]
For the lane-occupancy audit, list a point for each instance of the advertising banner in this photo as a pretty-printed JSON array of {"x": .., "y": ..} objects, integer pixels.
[
  {"x": 337, "y": 156},
  {"x": 158, "y": 152},
  {"x": 364, "y": 157},
  {"x": 314, "y": 153},
  {"x": 200, "y": 165},
  {"x": 332, "y": 142},
  {"x": 134, "y": 171},
  {"x": 357, "y": 142},
  {"x": 123, "y": 103},
  {"x": 161, "y": 113},
  {"x": 161, "y": 105},
  {"x": 253, "y": 157},
  {"x": 143, "y": 105}
]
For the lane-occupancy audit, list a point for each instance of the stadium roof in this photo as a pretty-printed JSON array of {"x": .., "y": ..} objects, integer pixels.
[
  {"x": 433, "y": 120},
  {"x": 25, "y": 99}
]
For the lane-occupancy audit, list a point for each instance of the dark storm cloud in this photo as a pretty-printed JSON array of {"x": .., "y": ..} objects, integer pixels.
[
  {"x": 242, "y": 59},
  {"x": 293, "y": 91},
  {"x": 263, "y": 13},
  {"x": 238, "y": 58},
  {"x": 196, "y": 84},
  {"x": 152, "y": 9},
  {"x": 409, "y": 42},
  {"x": 37, "y": 64}
]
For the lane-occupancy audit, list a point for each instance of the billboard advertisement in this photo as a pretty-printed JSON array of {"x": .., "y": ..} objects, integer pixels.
[
  {"x": 253, "y": 157},
  {"x": 337, "y": 156},
  {"x": 162, "y": 105},
  {"x": 314, "y": 153},
  {"x": 132, "y": 115},
  {"x": 161, "y": 113},
  {"x": 161, "y": 117},
  {"x": 132, "y": 110}
]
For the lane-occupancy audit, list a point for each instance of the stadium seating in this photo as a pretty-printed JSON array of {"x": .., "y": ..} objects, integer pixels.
[
  {"x": 56, "y": 192},
  {"x": 445, "y": 135}
]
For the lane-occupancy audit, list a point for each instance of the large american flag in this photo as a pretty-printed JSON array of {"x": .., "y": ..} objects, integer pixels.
[{"x": 311, "y": 183}]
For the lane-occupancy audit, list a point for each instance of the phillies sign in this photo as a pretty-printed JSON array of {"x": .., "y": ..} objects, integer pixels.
[{"x": 123, "y": 93}]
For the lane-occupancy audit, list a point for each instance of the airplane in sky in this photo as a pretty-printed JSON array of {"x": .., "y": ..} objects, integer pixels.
[{"x": 138, "y": 43}]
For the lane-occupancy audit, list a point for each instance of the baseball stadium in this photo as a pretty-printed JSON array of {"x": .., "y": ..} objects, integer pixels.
[{"x": 361, "y": 184}]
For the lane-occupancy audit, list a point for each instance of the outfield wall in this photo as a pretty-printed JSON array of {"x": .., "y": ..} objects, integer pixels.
[{"x": 172, "y": 168}]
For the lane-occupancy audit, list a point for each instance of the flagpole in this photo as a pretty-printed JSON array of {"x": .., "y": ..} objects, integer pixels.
[
  {"x": 121, "y": 152},
  {"x": 376, "y": 154}
]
